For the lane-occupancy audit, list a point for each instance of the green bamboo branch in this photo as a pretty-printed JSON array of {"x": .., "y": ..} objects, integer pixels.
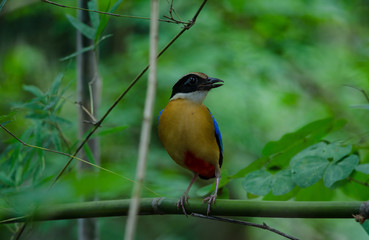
[{"x": 153, "y": 206}]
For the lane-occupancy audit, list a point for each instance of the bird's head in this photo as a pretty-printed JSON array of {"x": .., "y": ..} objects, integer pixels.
[{"x": 194, "y": 86}]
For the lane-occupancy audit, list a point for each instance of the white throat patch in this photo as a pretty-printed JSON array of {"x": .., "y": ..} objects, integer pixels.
[{"x": 197, "y": 97}]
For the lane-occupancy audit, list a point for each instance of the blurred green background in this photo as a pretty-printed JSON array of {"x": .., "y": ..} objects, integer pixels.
[{"x": 284, "y": 64}]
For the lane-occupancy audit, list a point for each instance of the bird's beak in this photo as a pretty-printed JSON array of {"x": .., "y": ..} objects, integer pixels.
[{"x": 211, "y": 83}]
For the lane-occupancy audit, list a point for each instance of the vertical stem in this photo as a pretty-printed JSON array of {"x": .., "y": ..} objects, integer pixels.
[
  {"x": 88, "y": 96},
  {"x": 146, "y": 124}
]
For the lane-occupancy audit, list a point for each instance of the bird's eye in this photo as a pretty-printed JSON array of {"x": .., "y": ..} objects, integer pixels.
[{"x": 191, "y": 81}]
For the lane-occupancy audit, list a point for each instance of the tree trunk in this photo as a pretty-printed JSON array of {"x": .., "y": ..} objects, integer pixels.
[{"x": 88, "y": 96}]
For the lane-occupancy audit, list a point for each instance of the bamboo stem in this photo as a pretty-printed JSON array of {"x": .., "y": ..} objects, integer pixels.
[
  {"x": 146, "y": 124},
  {"x": 153, "y": 206}
]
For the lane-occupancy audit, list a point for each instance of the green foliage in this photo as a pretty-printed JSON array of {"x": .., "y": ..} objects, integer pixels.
[
  {"x": 277, "y": 154},
  {"x": 364, "y": 168},
  {"x": 25, "y": 166},
  {"x": 260, "y": 182},
  {"x": 93, "y": 32},
  {"x": 283, "y": 63},
  {"x": 330, "y": 162}
]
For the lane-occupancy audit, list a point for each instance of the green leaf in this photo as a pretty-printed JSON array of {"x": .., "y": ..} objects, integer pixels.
[
  {"x": 337, "y": 171},
  {"x": 293, "y": 143},
  {"x": 318, "y": 149},
  {"x": 86, "y": 30},
  {"x": 115, "y": 6},
  {"x": 291, "y": 139},
  {"x": 56, "y": 84},
  {"x": 257, "y": 164},
  {"x": 8, "y": 117},
  {"x": 85, "y": 49},
  {"x": 56, "y": 141},
  {"x": 258, "y": 182},
  {"x": 95, "y": 20},
  {"x": 364, "y": 168},
  {"x": 89, "y": 154},
  {"x": 282, "y": 182},
  {"x": 112, "y": 130},
  {"x": 18, "y": 175},
  {"x": 34, "y": 90},
  {"x": 104, "y": 20},
  {"x": 308, "y": 170},
  {"x": 337, "y": 152},
  {"x": 4, "y": 179},
  {"x": 322, "y": 160},
  {"x": 205, "y": 190}
]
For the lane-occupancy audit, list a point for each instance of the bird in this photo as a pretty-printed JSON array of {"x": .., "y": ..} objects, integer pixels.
[{"x": 190, "y": 133}]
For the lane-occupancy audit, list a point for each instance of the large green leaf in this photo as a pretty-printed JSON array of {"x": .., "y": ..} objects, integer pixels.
[
  {"x": 279, "y": 153},
  {"x": 339, "y": 170},
  {"x": 258, "y": 182},
  {"x": 319, "y": 127},
  {"x": 364, "y": 168},
  {"x": 308, "y": 170},
  {"x": 282, "y": 182},
  {"x": 323, "y": 160}
]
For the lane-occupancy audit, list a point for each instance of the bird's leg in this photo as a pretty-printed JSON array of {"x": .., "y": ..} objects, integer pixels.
[
  {"x": 184, "y": 198},
  {"x": 211, "y": 198}
]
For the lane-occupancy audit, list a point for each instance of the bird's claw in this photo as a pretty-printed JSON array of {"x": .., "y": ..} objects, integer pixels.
[
  {"x": 181, "y": 202},
  {"x": 210, "y": 200}
]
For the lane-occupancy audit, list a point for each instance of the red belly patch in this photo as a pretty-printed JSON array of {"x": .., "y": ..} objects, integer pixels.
[{"x": 199, "y": 166}]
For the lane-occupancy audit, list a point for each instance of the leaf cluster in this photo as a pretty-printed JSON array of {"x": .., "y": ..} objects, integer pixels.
[
  {"x": 300, "y": 159},
  {"x": 25, "y": 166}
]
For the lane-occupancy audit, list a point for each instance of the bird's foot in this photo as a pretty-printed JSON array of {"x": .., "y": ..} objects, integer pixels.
[
  {"x": 210, "y": 200},
  {"x": 182, "y": 201}
]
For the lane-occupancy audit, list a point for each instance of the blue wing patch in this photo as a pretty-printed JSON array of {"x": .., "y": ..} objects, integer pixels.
[
  {"x": 217, "y": 133},
  {"x": 160, "y": 114}
]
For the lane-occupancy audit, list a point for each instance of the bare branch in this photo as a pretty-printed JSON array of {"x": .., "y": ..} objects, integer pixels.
[
  {"x": 108, "y": 13},
  {"x": 366, "y": 184},
  {"x": 230, "y": 220}
]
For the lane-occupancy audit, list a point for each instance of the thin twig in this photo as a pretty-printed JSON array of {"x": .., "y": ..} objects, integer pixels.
[
  {"x": 366, "y": 184},
  {"x": 87, "y": 112},
  {"x": 262, "y": 226},
  {"x": 146, "y": 124},
  {"x": 98, "y": 123},
  {"x": 108, "y": 13}
]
